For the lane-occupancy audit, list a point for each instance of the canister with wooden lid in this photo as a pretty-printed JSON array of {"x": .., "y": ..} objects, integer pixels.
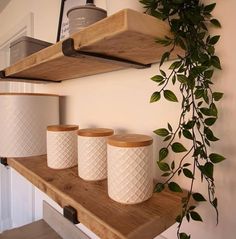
[
  {"x": 92, "y": 153},
  {"x": 129, "y": 159},
  {"x": 62, "y": 146}
]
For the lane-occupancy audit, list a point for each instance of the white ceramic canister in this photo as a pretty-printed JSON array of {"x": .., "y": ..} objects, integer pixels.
[
  {"x": 114, "y": 6},
  {"x": 129, "y": 160},
  {"x": 62, "y": 146},
  {"x": 92, "y": 153},
  {"x": 24, "y": 118}
]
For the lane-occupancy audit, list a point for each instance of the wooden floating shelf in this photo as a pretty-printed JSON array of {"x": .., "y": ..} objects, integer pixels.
[
  {"x": 107, "y": 218},
  {"x": 128, "y": 35}
]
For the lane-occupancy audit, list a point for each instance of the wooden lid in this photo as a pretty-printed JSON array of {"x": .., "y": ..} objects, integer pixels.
[
  {"x": 95, "y": 132},
  {"x": 29, "y": 94},
  {"x": 130, "y": 140},
  {"x": 62, "y": 127}
]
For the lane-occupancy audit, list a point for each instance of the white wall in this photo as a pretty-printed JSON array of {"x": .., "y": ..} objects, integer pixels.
[{"x": 120, "y": 100}]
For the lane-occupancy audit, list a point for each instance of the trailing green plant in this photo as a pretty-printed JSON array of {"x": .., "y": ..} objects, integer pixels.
[{"x": 192, "y": 72}]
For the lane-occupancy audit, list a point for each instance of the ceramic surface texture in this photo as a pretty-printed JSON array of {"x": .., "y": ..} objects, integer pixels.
[
  {"x": 23, "y": 123},
  {"x": 61, "y": 149},
  {"x": 130, "y": 178},
  {"x": 92, "y": 158}
]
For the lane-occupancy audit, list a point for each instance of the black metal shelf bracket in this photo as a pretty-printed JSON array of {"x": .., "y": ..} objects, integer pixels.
[
  {"x": 69, "y": 50},
  {"x": 71, "y": 214},
  {"x": 24, "y": 79},
  {"x": 3, "y": 161}
]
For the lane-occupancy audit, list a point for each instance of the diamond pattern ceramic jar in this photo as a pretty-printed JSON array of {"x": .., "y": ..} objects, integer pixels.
[
  {"x": 23, "y": 121},
  {"x": 62, "y": 146},
  {"x": 92, "y": 153},
  {"x": 130, "y": 178}
]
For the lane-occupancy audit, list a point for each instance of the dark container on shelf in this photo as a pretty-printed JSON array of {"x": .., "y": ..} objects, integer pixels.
[{"x": 25, "y": 46}]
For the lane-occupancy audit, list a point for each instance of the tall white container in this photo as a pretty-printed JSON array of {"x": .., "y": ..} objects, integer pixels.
[
  {"x": 62, "y": 146},
  {"x": 114, "y": 6},
  {"x": 92, "y": 153},
  {"x": 129, "y": 161},
  {"x": 23, "y": 122}
]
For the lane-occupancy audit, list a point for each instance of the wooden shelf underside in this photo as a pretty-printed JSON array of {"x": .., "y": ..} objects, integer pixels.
[
  {"x": 128, "y": 35},
  {"x": 107, "y": 218}
]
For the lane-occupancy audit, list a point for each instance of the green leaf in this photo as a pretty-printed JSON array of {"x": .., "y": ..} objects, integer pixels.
[
  {"x": 188, "y": 173},
  {"x": 190, "y": 124},
  {"x": 187, "y": 134},
  {"x": 183, "y": 235},
  {"x": 163, "y": 166},
  {"x": 169, "y": 127},
  {"x": 209, "y": 8},
  {"x": 178, "y": 219},
  {"x": 209, "y": 134},
  {"x": 182, "y": 78},
  {"x": 163, "y": 153},
  {"x": 215, "y": 61},
  {"x": 199, "y": 93},
  {"x": 157, "y": 78},
  {"x": 174, "y": 187},
  {"x": 155, "y": 97},
  {"x": 208, "y": 169},
  {"x": 178, "y": 147},
  {"x": 195, "y": 216},
  {"x": 215, "y": 22},
  {"x": 169, "y": 95},
  {"x": 216, "y": 158},
  {"x": 198, "y": 197},
  {"x": 210, "y": 121},
  {"x": 186, "y": 165},
  {"x": 205, "y": 111},
  {"x": 217, "y": 96},
  {"x": 161, "y": 132},
  {"x": 163, "y": 73},
  {"x": 214, "y": 40},
  {"x": 213, "y": 110},
  {"x": 166, "y": 174},
  {"x": 164, "y": 57},
  {"x": 159, "y": 187},
  {"x": 208, "y": 74},
  {"x": 215, "y": 203},
  {"x": 165, "y": 42},
  {"x": 175, "y": 65},
  {"x": 173, "y": 165}
]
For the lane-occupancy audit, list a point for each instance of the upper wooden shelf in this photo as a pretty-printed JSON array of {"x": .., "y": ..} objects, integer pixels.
[
  {"x": 107, "y": 218},
  {"x": 128, "y": 35}
]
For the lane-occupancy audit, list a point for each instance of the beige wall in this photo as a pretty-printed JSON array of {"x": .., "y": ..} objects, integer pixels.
[{"x": 120, "y": 100}]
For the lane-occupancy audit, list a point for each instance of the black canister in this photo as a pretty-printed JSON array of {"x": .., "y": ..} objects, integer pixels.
[{"x": 83, "y": 16}]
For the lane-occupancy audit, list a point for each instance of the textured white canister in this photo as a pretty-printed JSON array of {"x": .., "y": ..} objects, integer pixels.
[
  {"x": 23, "y": 122},
  {"x": 114, "y": 6},
  {"x": 92, "y": 153},
  {"x": 62, "y": 146},
  {"x": 130, "y": 178}
]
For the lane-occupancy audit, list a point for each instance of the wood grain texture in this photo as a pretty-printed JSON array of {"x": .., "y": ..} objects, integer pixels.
[
  {"x": 95, "y": 132},
  {"x": 130, "y": 140},
  {"x": 62, "y": 127},
  {"x": 107, "y": 218},
  {"x": 127, "y": 34}
]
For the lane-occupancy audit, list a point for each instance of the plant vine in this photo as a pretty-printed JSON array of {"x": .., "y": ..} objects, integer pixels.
[{"x": 193, "y": 71}]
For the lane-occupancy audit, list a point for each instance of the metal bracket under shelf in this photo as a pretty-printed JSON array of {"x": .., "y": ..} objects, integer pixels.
[
  {"x": 3, "y": 161},
  {"x": 69, "y": 50},
  {"x": 24, "y": 79},
  {"x": 71, "y": 214}
]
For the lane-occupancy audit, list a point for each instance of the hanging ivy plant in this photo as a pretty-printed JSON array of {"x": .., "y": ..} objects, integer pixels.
[{"x": 192, "y": 73}]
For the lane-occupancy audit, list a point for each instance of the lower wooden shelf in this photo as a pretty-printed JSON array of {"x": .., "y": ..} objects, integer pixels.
[{"x": 107, "y": 218}]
